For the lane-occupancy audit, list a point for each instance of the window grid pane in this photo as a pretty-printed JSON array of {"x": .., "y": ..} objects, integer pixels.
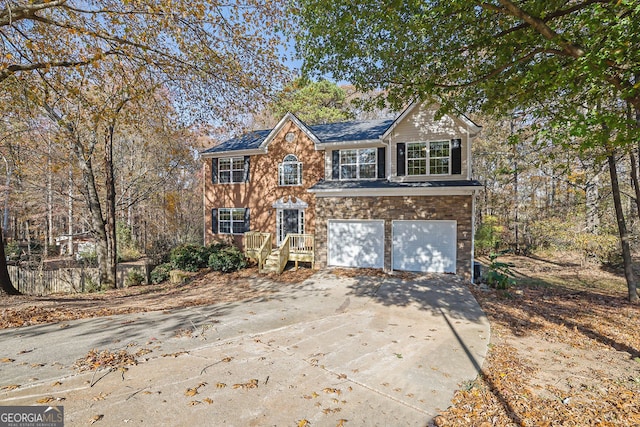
[
  {"x": 439, "y": 158},
  {"x": 290, "y": 171},
  {"x": 358, "y": 164},
  {"x": 231, "y": 220},
  {"x": 231, "y": 170},
  {"x": 417, "y": 158}
]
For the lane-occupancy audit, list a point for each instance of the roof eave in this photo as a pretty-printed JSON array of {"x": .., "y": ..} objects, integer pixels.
[{"x": 244, "y": 152}]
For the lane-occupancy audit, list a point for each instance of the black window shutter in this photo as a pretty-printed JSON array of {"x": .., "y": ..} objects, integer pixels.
[
  {"x": 401, "y": 159},
  {"x": 214, "y": 221},
  {"x": 246, "y": 168},
  {"x": 247, "y": 225},
  {"x": 335, "y": 164},
  {"x": 456, "y": 156},
  {"x": 214, "y": 170},
  {"x": 381, "y": 163}
]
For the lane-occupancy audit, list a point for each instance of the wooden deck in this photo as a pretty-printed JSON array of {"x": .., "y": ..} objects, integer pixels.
[{"x": 295, "y": 247}]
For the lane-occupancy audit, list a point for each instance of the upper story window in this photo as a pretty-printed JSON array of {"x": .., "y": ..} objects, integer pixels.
[
  {"x": 428, "y": 158},
  {"x": 228, "y": 170},
  {"x": 231, "y": 169},
  {"x": 358, "y": 164},
  {"x": 290, "y": 171}
]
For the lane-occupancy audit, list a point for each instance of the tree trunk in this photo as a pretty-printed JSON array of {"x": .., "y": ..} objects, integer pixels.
[
  {"x": 591, "y": 201},
  {"x": 70, "y": 250},
  {"x": 634, "y": 180},
  {"x": 622, "y": 229},
  {"x": 6, "y": 287},
  {"x": 95, "y": 212},
  {"x": 110, "y": 209}
]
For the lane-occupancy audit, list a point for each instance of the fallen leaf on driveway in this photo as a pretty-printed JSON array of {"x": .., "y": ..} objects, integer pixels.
[
  {"x": 10, "y": 387},
  {"x": 95, "y": 418}
]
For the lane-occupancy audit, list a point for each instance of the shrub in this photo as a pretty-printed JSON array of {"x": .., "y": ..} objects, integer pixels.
[
  {"x": 499, "y": 274},
  {"x": 134, "y": 278},
  {"x": 189, "y": 257},
  {"x": 604, "y": 248},
  {"x": 88, "y": 256},
  {"x": 12, "y": 251},
  {"x": 160, "y": 273},
  {"x": 227, "y": 259}
]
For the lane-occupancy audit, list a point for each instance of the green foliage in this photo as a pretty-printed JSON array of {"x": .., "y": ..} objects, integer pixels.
[
  {"x": 227, "y": 259},
  {"x": 604, "y": 248},
  {"x": 559, "y": 235},
  {"x": 499, "y": 274},
  {"x": 189, "y": 257},
  {"x": 551, "y": 233},
  {"x": 134, "y": 278},
  {"x": 12, "y": 250},
  {"x": 91, "y": 286},
  {"x": 127, "y": 247},
  {"x": 313, "y": 102},
  {"x": 160, "y": 273},
  {"x": 88, "y": 256},
  {"x": 488, "y": 235}
]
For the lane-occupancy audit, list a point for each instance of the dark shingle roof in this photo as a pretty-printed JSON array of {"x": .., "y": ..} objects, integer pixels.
[
  {"x": 351, "y": 131},
  {"x": 384, "y": 184},
  {"x": 331, "y": 132},
  {"x": 248, "y": 141}
]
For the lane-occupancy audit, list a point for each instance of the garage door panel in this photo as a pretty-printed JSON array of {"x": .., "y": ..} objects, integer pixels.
[
  {"x": 356, "y": 243},
  {"x": 427, "y": 246}
]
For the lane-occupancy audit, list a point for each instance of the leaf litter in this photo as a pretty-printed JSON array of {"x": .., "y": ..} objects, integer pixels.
[{"x": 562, "y": 352}]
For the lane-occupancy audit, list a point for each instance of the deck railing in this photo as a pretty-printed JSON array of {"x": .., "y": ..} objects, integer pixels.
[
  {"x": 257, "y": 246},
  {"x": 302, "y": 248},
  {"x": 283, "y": 253}
]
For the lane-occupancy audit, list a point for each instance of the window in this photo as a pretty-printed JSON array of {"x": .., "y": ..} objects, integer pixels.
[
  {"x": 358, "y": 164},
  {"x": 290, "y": 171},
  {"x": 231, "y": 169},
  {"x": 428, "y": 158},
  {"x": 439, "y": 153},
  {"x": 231, "y": 221}
]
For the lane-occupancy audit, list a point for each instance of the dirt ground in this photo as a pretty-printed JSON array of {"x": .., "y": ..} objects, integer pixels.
[
  {"x": 565, "y": 345},
  {"x": 565, "y": 351}
]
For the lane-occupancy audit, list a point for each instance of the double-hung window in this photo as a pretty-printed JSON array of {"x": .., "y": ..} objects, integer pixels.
[
  {"x": 429, "y": 158},
  {"x": 231, "y": 169},
  {"x": 290, "y": 171},
  {"x": 231, "y": 220},
  {"x": 358, "y": 164}
]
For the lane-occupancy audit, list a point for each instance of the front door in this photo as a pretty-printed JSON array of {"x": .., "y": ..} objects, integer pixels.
[{"x": 289, "y": 222}]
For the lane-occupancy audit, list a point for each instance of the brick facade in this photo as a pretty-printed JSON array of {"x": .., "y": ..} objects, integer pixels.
[
  {"x": 389, "y": 208},
  {"x": 263, "y": 189}
]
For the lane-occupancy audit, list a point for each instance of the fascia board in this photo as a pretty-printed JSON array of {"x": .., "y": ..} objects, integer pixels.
[
  {"x": 280, "y": 125},
  {"x": 380, "y": 192}
]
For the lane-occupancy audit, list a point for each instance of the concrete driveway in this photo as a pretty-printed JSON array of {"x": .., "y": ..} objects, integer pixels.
[{"x": 366, "y": 351}]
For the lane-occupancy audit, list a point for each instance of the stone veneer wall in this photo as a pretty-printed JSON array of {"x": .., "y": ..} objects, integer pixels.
[{"x": 388, "y": 208}]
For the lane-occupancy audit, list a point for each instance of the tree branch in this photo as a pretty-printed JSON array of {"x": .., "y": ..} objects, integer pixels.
[
  {"x": 27, "y": 10},
  {"x": 541, "y": 27}
]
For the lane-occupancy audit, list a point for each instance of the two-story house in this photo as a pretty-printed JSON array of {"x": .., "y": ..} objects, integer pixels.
[{"x": 394, "y": 194}]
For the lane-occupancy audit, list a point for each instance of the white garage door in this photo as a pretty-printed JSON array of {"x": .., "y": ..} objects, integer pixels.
[
  {"x": 428, "y": 246},
  {"x": 356, "y": 243}
]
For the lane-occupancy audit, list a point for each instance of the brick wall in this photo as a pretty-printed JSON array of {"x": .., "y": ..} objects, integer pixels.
[
  {"x": 458, "y": 208},
  {"x": 263, "y": 189}
]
